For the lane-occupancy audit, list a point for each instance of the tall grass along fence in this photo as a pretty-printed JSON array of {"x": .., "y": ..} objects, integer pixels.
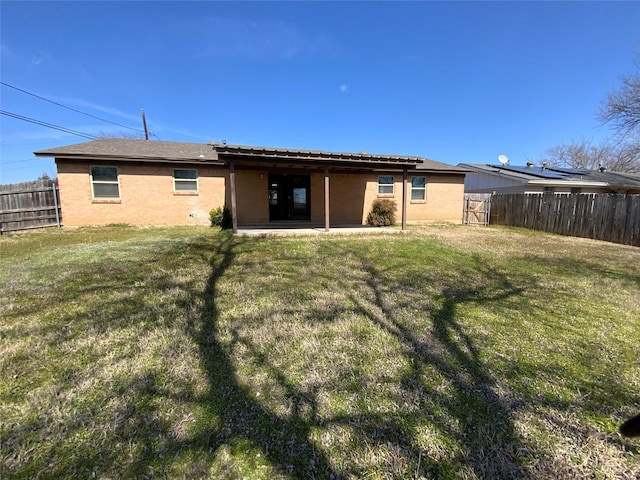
[
  {"x": 28, "y": 205},
  {"x": 609, "y": 217}
]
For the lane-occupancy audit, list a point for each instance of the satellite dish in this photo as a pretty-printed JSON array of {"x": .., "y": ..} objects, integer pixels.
[{"x": 503, "y": 159}]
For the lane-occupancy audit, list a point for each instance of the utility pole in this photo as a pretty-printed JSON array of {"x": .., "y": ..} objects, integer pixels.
[{"x": 144, "y": 124}]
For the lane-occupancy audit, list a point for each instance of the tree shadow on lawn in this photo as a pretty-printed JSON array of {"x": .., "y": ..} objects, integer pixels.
[
  {"x": 284, "y": 442},
  {"x": 470, "y": 412},
  {"x": 470, "y": 415},
  {"x": 475, "y": 417}
]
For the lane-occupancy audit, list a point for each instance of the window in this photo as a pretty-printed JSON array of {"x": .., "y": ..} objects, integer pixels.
[
  {"x": 185, "y": 180},
  {"x": 418, "y": 188},
  {"x": 104, "y": 182},
  {"x": 385, "y": 185}
]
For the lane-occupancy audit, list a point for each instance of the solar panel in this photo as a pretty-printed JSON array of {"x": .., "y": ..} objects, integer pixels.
[
  {"x": 570, "y": 171},
  {"x": 536, "y": 171}
]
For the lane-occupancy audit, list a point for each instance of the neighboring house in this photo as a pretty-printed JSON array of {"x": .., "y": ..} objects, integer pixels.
[
  {"x": 536, "y": 179},
  {"x": 154, "y": 182}
]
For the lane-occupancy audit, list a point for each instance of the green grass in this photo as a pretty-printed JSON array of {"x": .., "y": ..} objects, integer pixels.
[{"x": 448, "y": 352}]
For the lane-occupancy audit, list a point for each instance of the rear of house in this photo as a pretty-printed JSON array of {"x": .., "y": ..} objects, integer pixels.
[{"x": 174, "y": 183}]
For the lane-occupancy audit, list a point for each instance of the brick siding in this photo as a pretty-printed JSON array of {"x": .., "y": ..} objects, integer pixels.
[{"x": 147, "y": 196}]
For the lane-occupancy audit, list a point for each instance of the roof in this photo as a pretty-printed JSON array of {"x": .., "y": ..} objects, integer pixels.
[
  {"x": 125, "y": 148},
  {"x": 558, "y": 175},
  {"x": 155, "y": 150}
]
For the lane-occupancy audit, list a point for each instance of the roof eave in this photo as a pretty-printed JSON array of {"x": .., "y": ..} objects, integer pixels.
[
  {"x": 311, "y": 155},
  {"x": 568, "y": 183},
  {"x": 129, "y": 158}
]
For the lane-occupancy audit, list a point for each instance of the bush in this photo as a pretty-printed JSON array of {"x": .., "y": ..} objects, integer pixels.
[
  {"x": 382, "y": 213},
  {"x": 220, "y": 217}
]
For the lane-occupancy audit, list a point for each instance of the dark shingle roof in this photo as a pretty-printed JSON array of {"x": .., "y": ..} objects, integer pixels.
[
  {"x": 124, "y": 148},
  {"x": 128, "y": 149}
]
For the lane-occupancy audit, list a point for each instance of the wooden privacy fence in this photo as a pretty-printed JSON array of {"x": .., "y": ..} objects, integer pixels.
[
  {"x": 609, "y": 217},
  {"x": 28, "y": 205}
]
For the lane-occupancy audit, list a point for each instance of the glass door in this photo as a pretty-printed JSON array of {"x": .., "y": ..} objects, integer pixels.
[{"x": 289, "y": 197}]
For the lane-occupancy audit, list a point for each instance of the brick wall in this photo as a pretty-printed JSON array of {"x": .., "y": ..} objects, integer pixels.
[
  {"x": 147, "y": 196},
  {"x": 444, "y": 198},
  {"x": 252, "y": 197}
]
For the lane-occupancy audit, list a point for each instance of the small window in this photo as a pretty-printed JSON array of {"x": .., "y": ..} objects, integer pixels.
[
  {"x": 104, "y": 182},
  {"x": 385, "y": 185},
  {"x": 185, "y": 180},
  {"x": 418, "y": 188}
]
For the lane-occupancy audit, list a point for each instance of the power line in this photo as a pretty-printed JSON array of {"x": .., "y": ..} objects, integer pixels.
[
  {"x": 49, "y": 125},
  {"x": 24, "y": 167},
  {"x": 69, "y": 108},
  {"x": 24, "y": 144},
  {"x": 19, "y": 161}
]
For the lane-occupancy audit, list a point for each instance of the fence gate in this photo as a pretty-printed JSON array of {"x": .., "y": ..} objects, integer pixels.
[{"x": 477, "y": 208}]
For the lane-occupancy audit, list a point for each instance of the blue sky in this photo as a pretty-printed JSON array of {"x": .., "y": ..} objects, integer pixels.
[{"x": 451, "y": 81}]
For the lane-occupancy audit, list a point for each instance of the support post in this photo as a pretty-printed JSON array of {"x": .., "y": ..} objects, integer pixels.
[
  {"x": 404, "y": 200},
  {"x": 326, "y": 199},
  {"x": 234, "y": 210}
]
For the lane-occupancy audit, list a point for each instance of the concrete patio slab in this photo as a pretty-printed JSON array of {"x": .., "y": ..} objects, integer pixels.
[{"x": 268, "y": 231}]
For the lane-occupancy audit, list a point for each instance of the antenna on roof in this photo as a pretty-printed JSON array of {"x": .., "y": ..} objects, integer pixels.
[
  {"x": 503, "y": 159},
  {"x": 144, "y": 124}
]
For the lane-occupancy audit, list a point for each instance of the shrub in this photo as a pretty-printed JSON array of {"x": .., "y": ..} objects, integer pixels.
[
  {"x": 220, "y": 217},
  {"x": 382, "y": 213}
]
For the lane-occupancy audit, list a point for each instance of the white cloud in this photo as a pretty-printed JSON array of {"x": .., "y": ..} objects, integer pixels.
[
  {"x": 268, "y": 39},
  {"x": 99, "y": 108},
  {"x": 6, "y": 52}
]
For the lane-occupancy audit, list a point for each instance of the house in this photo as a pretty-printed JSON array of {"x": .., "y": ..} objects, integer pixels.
[
  {"x": 507, "y": 178},
  {"x": 158, "y": 183}
]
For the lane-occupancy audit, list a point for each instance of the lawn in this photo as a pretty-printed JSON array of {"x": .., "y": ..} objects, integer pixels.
[{"x": 448, "y": 352}]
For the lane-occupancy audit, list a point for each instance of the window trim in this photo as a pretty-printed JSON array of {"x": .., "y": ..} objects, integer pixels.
[
  {"x": 186, "y": 181},
  {"x": 422, "y": 189},
  {"x": 104, "y": 182},
  {"x": 392, "y": 185}
]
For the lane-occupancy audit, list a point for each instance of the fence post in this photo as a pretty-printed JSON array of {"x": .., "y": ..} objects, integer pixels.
[{"x": 55, "y": 203}]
